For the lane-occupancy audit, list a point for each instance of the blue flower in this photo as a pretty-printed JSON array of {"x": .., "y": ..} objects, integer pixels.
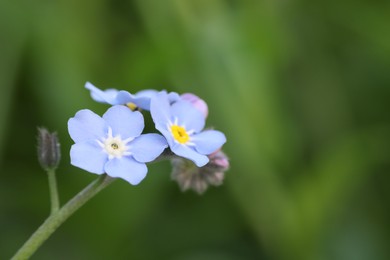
[
  {"x": 140, "y": 99},
  {"x": 113, "y": 144},
  {"x": 181, "y": 123}
]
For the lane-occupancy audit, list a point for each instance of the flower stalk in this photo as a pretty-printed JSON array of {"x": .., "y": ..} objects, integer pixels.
[
  {"x": 60, "y": 216},
  {"x": 54, "y": 198}
]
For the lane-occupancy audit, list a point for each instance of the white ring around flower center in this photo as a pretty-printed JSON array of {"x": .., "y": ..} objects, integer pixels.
[{"x": 115, "y": 147}]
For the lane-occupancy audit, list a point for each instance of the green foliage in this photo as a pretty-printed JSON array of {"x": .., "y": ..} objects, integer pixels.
[{"x": 301, "y": 90}]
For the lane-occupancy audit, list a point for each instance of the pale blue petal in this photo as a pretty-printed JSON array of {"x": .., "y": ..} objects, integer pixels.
[
  {"x": 124, "y": 97},
  {"x": 173, "y": 97},
  {"x": 124, "y": 122},
  {"x": 144, "y": 97},
  {"x": 86, "y": 125},
  {"x": 160, "y": 109},
  {"x": 189, "y": 153},
  {"x": 147, "y": 147},
  {"x": 146, "y": 93},
  {"x": 142, "y": 102},
  {"x": 188, "y": 115},
  {"x": 126, "y": 168},
  {"x": 107, "y": 96},
  {"x": 168, "y": 136},
  {"x": 140, "y": 99},
  {"x": 88, "y": 156},
  {"x": 197, "y": 102},
  {"x": 208, "y": 141}
]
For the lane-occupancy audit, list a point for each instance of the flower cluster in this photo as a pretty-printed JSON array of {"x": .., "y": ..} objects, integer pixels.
[{"x": 116, "y": 145}]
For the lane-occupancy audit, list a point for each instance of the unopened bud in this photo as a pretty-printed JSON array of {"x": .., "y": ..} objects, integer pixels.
[
  {"x": 219, "y": 161},
  {"x": 49, "y": 153},
  {"x": 197, "y": 102},
  {"x": 189, "y": 176}
]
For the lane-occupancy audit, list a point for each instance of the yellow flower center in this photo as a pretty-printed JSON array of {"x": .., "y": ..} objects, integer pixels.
[
  {"x": 132, "y": 106},
  {"x": 114, "y": 146},
  {"x": 180, "y": 134}
]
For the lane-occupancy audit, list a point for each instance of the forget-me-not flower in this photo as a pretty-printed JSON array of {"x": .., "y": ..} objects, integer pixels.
[
  {"x": 140, "y": 99},
  {"x": 181, "y": 123},
  {"x": 113, "y": 144}
]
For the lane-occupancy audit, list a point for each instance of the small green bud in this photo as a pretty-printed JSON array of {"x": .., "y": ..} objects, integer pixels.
[{"x": 49, "y": 153}]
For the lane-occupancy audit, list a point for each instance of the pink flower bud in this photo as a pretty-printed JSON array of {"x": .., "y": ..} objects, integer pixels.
[
  {"x": 219, "y": 160},
  {"x": 197, "y": 102}
]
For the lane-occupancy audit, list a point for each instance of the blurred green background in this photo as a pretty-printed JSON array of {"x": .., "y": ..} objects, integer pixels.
[{"x": 300, "y": 88}]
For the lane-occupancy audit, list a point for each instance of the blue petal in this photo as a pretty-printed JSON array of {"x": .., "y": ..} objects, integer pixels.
[
  {"x": 168, "y": 136},
  {"x": 143, "y": 98},
  {"x": 107, "y": 96},
  {"x": 208, "y": 141},
  {"x": 143, "y": 102},
  {"x": 124, "y": 122},
  {"x": 173, "y": 97},
  {"x": 160, "y": 109},
  {"x": 146, "y": 93},
  {"x": 88, "y": 156},
  {"x": 124, "y": 97},
  {"x": 188, "y": 115},
  {"x": 126, "y": 168},
  {"x": 86, "y": 125},
  {"x": 147, "y": 147},
  {"x": 189, "y": 153},
  {"x": 140, "y": 99}
]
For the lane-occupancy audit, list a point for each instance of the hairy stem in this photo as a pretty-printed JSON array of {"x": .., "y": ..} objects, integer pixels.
[
  {"x": 57, "y": 218},
  {"x": 54, "y": 198}
]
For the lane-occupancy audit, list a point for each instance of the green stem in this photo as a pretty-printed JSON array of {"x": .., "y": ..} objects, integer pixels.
[
  {"x": 57, "y": 218},
  {"x": 55, "y": 201}
]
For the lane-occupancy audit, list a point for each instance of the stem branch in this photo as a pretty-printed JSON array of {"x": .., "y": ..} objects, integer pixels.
[{"x": 60, "y": 216}]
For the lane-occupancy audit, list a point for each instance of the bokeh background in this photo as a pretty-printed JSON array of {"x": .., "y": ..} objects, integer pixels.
[{"x": 301, "y": 89}]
